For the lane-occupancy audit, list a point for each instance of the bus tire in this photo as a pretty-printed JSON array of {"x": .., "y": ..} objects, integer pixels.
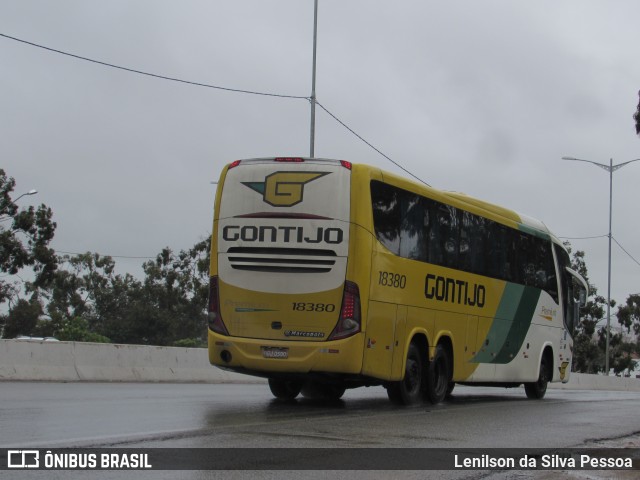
[
  {"x": 439, "y": 375},
  {"x": 450, "y": 389},
  {"x": 284, "y": 389},
  {"x": 536, "y": 390},
  {"x": 409, "y": 390}
]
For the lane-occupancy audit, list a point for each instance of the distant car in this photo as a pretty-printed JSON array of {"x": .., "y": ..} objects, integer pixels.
[{"x": 36, "y": 339}]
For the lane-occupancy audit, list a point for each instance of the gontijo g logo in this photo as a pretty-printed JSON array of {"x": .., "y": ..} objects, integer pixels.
[{"x": 284, "y": 189}]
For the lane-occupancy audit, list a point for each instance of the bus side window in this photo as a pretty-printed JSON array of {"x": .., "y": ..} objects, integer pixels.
[
  {"x": 566, "y": 287},
  {"x": 385, "y": 201},
  {"x": 414, "y": 228},
  {"x": 499, "y": 252},
  {"x": 546, "y": 277},
  {"x": 525, "y": 259},
  {"x": 434, "y": 246},
  {"x": 472, "y": 254},
  {"x": 447, "y": 220}
]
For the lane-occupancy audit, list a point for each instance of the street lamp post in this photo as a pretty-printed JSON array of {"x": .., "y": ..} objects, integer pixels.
[
  {"x": 30, "y": 192},
  {"x": 609, "y": 168}
]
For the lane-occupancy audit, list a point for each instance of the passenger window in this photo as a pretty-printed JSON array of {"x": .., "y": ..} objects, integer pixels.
[
  {"x": 447, "y": 237},
  {"x": 472, "y": 255},
  {"x": 419, "y": 228},
  {"x": 386, "y": 215},
  {"x": 414, "y": 228}
]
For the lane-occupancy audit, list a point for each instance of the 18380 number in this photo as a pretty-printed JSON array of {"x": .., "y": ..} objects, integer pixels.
[
  {"x": 394, "y": 280},
  {"x": 313, "y": 307}
]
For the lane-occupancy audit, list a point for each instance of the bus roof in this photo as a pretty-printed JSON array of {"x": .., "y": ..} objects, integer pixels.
[{"x": 497, "y": 212}]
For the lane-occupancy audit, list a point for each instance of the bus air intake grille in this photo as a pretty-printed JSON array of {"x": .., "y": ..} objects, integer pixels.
[{"x": 281, "y": 260}]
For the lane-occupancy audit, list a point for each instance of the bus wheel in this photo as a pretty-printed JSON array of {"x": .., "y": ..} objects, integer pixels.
[
  {"x": 537, "y": 389},
  {"x": 450, "y": 389},
  {"x": 284, "y": 389},
  {"x": 439, "y": 376},
  {"x": 408, "y": 391},
  {"x": 323, "y": 391}
]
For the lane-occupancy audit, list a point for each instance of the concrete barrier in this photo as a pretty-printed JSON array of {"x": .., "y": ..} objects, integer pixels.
[
  {"x": 103, "y": 362},
  {"x": 583, "y": 381}
]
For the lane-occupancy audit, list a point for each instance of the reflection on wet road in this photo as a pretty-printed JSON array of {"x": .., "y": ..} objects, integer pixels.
[
  {"x": 197, "y": 415},
  {"x": 53, "y": 415}
]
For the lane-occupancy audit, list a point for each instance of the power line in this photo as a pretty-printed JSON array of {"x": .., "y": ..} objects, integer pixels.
[
  {"x": 583, "y": 238},
  {"x": 216, "y": 87},
  {"x": 107, "y": 255},
  {"x": 153, "y": 257},
  {"x": 603, "y": 236},
  {"x": 369, "y": 144},
  {"x": 630, "y": 256},
  {"x": 163, "y": 77}
]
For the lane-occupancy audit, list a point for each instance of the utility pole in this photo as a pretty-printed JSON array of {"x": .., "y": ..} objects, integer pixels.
[
  {"x": 313, "y": 82},
  {"x": 609, "y": 168}
]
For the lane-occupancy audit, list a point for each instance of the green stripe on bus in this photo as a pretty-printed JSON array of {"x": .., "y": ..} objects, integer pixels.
[
  {"x": 520, "y": 325},
  {"x": 505, "y": 337},
  {"x": 499, "y": 331}
]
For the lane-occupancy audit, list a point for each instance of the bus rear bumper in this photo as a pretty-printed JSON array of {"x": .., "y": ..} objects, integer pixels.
[{"x": 264, "y": 357}]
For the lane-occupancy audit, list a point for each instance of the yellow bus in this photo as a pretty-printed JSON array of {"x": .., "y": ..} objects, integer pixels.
[{"x": 328, "y": 275}]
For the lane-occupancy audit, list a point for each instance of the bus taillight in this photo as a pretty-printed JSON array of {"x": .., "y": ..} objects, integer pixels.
[
  {"x": 349, "y": 322},
  {"x": 215, "y": 318}
]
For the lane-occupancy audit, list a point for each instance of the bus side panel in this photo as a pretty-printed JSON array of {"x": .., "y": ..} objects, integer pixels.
[
  {"x": 540, "y": 326},
  {"x": 360, "y": 245},
  {"x": 562, "y": 372},
  {"x": 380, "y": 335},
  {"x": 419, "y": 321},
  {"x": 463, "y": 371},
  {"x": 399, "y": 355},
  {"x": 453, "y": 326}
]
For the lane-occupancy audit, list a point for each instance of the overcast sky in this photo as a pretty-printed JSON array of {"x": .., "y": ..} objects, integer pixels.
[{"x": 477, "y": 96}]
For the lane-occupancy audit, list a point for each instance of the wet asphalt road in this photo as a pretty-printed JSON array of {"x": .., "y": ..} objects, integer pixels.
[{"x": 57, "y": 415}]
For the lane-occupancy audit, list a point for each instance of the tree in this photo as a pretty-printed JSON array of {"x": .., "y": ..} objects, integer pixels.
[
  {"x": 76, "y": 329},
  {"x": 588, "y": 356},
  {"x": 24, "y": 240},
  {"x": 629, "y": 314},
  {"x": 86, "y": 295},
  {"x": 177, "y": 286},
  {"x": 22, "y": 318},
  {"x": 620, "y": 353},
  {"x": 87, "y": 298},
  {"x": 589, "y": 346},
  {"x": 629, "y": 317}
]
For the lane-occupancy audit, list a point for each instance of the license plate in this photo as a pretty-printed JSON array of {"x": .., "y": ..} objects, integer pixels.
[{"x": 275, "y": 352}]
